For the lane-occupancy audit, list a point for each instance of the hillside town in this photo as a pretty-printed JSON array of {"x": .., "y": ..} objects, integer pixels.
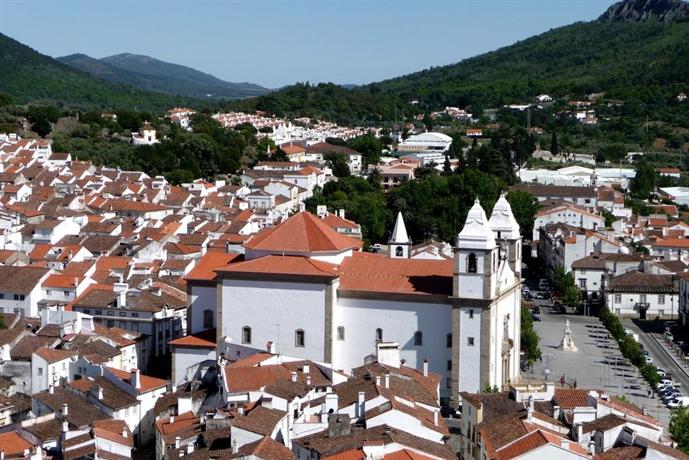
[{"x": 221, "y": 319}]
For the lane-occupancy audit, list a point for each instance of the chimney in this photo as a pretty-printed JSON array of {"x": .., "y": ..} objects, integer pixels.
[
  {"x": 177, "y": 442},
  {"x": 294, "y": 376},
  {"x": 564, "y": 443},
  {"x": 342, "y": 213},
  {"x": 308, "y": 380},
  {"x": 361, "y": 404},
  {"x": 172, "y": 419},
  {"x": 97, "y": 391},
  {"x": 135, "y": 379},
  {"x": 529, "y": 412},
  {"x": 235, "y": 446},
  {"x": 240, "y": 410},
  {"x": 51, "y": 390},
  {"x": 580, "y": 432},
  {"x": 190, "y": 447},
  {"x": 120, "y": 289},
  {"x": 556, "y": 412},
  {"x": 435, "y": 417},
  {"x": 306, "y": 368},
  {"x": 425, "y": 367},
  {"x": 592, "y": 447},
  {"x": 65, "y": 409},
  {"x": 124, "y": 432},
  {"x": 65, "y": 426},
  {"x": 387, "y": 380},
  {"x": 377, "y": 380}
]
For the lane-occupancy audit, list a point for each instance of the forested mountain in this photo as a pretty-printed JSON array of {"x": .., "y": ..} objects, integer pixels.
[
  {"x": 30, "y": 77},
  {"x": 150, "y": 74},
  {"x": 644, "y": 59}
]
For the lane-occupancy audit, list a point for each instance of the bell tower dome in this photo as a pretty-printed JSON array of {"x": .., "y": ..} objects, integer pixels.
[{"x": 476, "y": 257}]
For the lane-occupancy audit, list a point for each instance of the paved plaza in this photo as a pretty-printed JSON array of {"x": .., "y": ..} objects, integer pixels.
[{"x": 598, "y": 363}]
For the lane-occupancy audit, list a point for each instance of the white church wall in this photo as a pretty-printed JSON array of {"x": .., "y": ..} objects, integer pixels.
[
  {"x": 399, "y": 321},
  {"x": 201, "y": 298},
  {"x": 470, "y": 356},
  {"x": 274, "y": 311}
]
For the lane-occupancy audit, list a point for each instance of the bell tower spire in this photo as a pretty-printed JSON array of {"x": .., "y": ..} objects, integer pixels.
[{"x": 399, "y": 244}]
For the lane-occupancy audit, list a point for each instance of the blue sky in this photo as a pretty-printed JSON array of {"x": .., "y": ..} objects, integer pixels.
[{"x": 274, "y": 43}]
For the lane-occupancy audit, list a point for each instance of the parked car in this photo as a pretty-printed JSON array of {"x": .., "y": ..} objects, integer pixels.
[
  {"x": 673, "y": 404},
  {"x": 668, "y": 336},
  {"x": 537, "y": 310},
  {"x": 683, "y": 401},
  {"x": 649, "y": 360},
  {"x": 535, "y": 316},
  {"x": 542, "y": 295},
  {"x": 543, "y": 284}
]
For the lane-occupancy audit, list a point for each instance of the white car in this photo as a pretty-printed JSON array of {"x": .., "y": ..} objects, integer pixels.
[{"x": 673, "y": 404}]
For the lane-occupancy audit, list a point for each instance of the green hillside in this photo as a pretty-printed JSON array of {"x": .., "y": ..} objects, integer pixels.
[
  {"x": 646, "y": 61},
  {"x": 30, "y": 77}
]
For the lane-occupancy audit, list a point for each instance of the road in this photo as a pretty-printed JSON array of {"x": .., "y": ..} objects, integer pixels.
[{"x": 661, "y": 358}]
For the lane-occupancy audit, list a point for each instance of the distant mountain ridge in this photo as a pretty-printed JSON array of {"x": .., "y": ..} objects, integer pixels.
[
  {"x": 151, "y": 74},
  {"x": 643, "y": 10},
  {"x": 31, "y": 77}
]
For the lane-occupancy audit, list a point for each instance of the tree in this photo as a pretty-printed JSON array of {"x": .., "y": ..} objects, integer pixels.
[
  {"x": 529, "y": 337},
  {"x": 369, "y": 146},
  {"x": 643, "y": 182},
  {"x": 554, "y": 147},
  {"x": 42, "y": 127},
  {"x": 5, "y": 100},
  {"x": 524, "y": 206},
  {"x": 679, "y": 428},
  {"x": 447, "y": 167},
  {"x": 338, "y": 162},
  {"x": 566, "y": 288}
]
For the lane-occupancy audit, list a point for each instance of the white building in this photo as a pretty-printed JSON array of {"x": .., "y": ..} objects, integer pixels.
[
  {"x": 20, "y": 289},
  {"x": 429, "y": 142},
  {"x": 566, "y": 213},
  {"x": 145, "y": 136},
  {"x": 578, "y": 176},
  {"x": 314, "y": 296},
  {"x": 643, "y": 295}
]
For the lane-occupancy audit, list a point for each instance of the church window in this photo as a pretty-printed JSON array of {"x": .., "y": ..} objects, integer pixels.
[
  {"x": 379, "y": 335},
  {"x": 470, "y": 341},
  {"x": 340, "y": 333},
  {"x": 246, "y": 334},
  {"x": 207, "y": 319},
  {"x": 418, "y": 338},
  {"x": 399, "y": 251},
  {"x": 471, "y": 313},
  {"x": 471, "y": 263},
  {"x": 299, "y": 338},
  {"x": 448, "y": 340}
]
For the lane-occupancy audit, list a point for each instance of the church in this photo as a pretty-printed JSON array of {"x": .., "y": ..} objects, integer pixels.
[{"x": 311, "y": 293}]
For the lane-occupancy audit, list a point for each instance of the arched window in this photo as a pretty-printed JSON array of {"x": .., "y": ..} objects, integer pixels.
[
  {"x": 208, "y": 319},
  {"x": 246, "y": 334},
  {"x": 418, "y": 338},
  {"x": 471, "y": 263},
  {"x": 340, "y": 333},
  {"x": 399, "y": 251},
  {"x": 379, "y": 335},
  {"x": 299, "y": 340}
]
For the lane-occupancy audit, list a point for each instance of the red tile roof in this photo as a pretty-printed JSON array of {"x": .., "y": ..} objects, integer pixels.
[
  {"x": 283, "y": 265},
  {"x": 147, "y": 383},
  {"x": 211, "y": 261},
  {"x": 204, "y": 339},
  {"x": 13, "y": 444},
  {"x": 302, "y": 233},
  {"x": 375, "y": 273}
]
